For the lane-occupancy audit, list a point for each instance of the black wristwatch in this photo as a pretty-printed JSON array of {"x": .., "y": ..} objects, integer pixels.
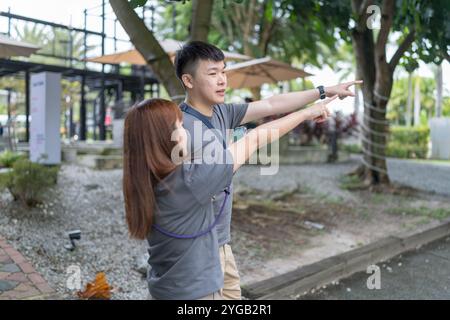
[{"x": 322, "y": 92}]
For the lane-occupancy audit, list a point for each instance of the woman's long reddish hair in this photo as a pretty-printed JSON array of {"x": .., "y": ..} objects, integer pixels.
[{"x": 146, "y": 159}]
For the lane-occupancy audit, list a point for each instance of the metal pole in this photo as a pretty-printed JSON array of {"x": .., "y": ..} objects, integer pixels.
[
  {"x": 85, "y": 40},
  {"x": 94, "y": 117},
  {"x": 27, "y": 106},
  {"x": 102, "y": 110},
  {"x": 71, "y": 48},
  {"x": 119, "y": 91},
  {"x": 115, "y": 35},
  {"x": 9, "y": 22},
  {"x": 71, "y": 127},
  {"x": 8, "y": 108},
  {"x": 83, "y": 109}
]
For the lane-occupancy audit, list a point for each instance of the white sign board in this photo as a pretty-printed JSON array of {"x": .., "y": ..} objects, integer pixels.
[
  {"x": 118, "y": 132},
  {"x": 45, "y": 105},
  {"x": 440, "y": 138}
]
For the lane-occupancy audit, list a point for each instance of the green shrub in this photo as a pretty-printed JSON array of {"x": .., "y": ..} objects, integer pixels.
[
  {"x": 7, "y": 158},
  {"x": 3, "y": 180},
  {"x": 410, "y": 135},
  {"x": 408, "y": 142},
  {"x": 407, "y": 151},
  {"x": 28, "y": 181},
  {"x": 351, "y": 148}
]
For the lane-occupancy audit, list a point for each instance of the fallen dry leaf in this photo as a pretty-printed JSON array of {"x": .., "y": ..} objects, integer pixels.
[{"x": 98, "y": 289}]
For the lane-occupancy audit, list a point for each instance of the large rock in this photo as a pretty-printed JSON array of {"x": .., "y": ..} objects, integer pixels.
[{"x": 101, "y": 162}]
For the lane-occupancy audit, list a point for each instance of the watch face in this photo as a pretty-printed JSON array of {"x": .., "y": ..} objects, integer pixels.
[{"x": 322, "y": 92}]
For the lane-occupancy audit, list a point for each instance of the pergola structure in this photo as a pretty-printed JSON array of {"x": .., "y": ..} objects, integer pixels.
[
  {"x": 106, "y": 84},
  {"x": 107, "y": 81}
]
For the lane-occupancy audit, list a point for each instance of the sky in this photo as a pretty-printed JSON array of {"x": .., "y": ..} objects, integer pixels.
[{"x": 71, "y": 12}]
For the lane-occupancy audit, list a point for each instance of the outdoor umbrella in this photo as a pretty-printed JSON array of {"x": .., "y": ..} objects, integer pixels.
[
  {"x": 254, "y": 73},
  {"x": 170, "y": 46},
  {"x": 10, "y": 48}
]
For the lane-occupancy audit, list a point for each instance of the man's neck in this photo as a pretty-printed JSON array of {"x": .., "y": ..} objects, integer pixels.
[{"x": 200, "y": 106}]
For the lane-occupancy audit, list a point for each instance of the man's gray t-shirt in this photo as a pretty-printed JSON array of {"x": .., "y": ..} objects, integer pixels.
[
  {"x": 225, "y": 117},
  {"x": 187, "y": 269}
]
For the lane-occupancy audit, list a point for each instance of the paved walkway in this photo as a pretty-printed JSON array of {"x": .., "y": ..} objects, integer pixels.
[
  {"x": 18, "y": 278},
  {"x": 420, "y": 274},
  {"x": 427, "y": 176}
]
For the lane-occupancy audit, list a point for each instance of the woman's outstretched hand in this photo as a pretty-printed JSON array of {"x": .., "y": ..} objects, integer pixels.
[{"x": 319, "y": 112}]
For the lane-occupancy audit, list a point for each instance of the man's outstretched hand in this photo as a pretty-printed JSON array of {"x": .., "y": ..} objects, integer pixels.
[{"x": 342, "y": 89}]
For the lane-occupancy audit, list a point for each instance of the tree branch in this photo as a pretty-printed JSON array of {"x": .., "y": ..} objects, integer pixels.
[
  {"x": 359, "y": 7},
  {"x": 363, "y": 6},
  {"x": 387, "y": 18},
  {"x": 446, "y": 56},
  {"x": 402, "y": 49},
  {"x": 147, "y": 45},
  {"x": 201, "y": 19}
]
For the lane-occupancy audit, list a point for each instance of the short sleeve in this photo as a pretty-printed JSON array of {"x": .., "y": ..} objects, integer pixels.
[
  {"x": 236, "y": 112},
  {"x": 206, "y": 178}
]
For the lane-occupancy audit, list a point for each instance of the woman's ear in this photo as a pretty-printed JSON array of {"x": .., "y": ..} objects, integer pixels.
[{"x": 188, "y": 81}]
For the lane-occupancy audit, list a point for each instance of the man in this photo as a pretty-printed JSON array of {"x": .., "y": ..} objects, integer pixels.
[{"x": 201, "y": 68}]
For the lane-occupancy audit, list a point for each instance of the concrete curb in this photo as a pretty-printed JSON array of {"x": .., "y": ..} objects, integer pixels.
[{"x": 343, "y": 265}]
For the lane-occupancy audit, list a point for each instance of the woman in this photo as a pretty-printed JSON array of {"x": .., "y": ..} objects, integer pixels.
[{"x": 168, "y": 194}]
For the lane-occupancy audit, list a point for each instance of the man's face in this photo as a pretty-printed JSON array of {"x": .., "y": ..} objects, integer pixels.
[{"x": 209, "y": 81}]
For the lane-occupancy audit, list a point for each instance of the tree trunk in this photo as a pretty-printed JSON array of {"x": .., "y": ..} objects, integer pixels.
[
  {"x": 377, "y": 76},
  {"x": 201, "y": 19},
  {"x": 410, "y": 100},
  {"x": 439, "y": 87},
  {"x": 146, "y": 43},
  {"x": 364, "y": 51},
  {"x": 417, "y": 102}
]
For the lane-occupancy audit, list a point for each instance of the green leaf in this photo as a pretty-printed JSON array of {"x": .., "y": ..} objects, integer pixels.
[
  {"x": 268, "y": 13},
  {"x": 137, "y": 3}
]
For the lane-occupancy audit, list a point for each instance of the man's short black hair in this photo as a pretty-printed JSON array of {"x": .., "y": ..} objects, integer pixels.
[{"x": 187, "y": 57}]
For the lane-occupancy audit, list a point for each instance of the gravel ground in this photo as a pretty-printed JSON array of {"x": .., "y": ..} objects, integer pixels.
[
  {"x": 92, "y": 201},
  {"x": 319, "y": 178},
  {"x": 324, "y": 178},
  {"x": 88, "y": 200}
]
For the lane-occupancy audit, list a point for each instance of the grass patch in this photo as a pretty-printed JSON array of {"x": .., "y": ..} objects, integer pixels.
[
  {"x": 352, "y": 182},
  {"x": 364, "y": 213},
  {"x": 378, "y": 198},
  {"x": 333, "y": 200}
]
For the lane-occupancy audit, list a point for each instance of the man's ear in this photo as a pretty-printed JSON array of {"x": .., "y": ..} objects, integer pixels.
[{"x": 188, "y": 81}]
